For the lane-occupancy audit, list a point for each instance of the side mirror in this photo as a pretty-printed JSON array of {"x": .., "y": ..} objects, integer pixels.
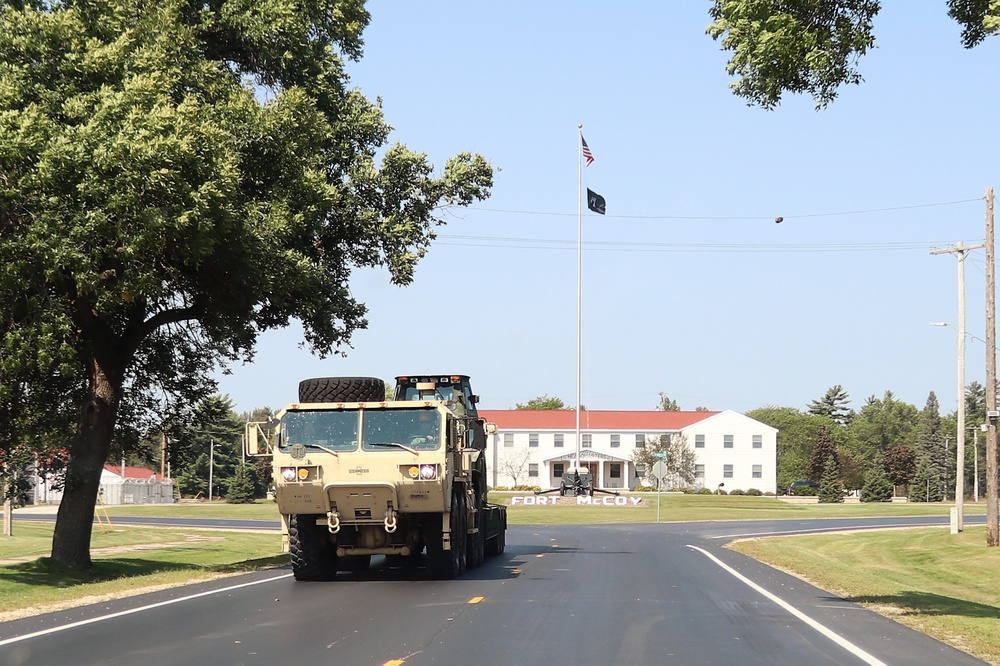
[{"x": 255, "y": 440}]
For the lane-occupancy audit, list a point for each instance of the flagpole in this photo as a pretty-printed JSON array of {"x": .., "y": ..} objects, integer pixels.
[{"x": 579, "y": 279}]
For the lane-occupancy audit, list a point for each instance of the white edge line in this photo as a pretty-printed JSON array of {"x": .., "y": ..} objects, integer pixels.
[
  {"x": 141, "y": 609},
  {"x": 828, "y": 633},
  {"x": 829, "y": 530}
]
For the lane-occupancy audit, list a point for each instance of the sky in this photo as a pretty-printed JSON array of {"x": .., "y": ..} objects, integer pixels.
[{"x": 689, "y": 287}]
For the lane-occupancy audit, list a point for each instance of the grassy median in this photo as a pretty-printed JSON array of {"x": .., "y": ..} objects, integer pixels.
[{"x": 939, "y": 583}]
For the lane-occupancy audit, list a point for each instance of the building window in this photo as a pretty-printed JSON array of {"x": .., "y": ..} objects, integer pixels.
[
  {"x": 699, "y": 471},
  {"x": 727, "y": 471},
  {"x": 558, "y": 469},
  {"x": 557, "y": 440},
  {"x": 508, "y": 439},
  {"x": 640, "y": 441},
  {"x": 586, "y": 441},
  {"x": 758, "y": 471},
  {"x": 758, "y": 441},
  {"x": 616, "y": 470},
  {"x": 533, "y": 440},
  {"x": 533, "y": 469},
  {"x": 699, "y": 441},
  {"x": 616, "y": 441},
  {"x": 727, "y": 441}
]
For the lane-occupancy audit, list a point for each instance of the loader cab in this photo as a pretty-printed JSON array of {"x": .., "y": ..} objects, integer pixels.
[{"x": 451, "y": 388}]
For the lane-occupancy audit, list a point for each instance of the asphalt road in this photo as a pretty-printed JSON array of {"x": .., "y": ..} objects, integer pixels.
[{"x": 569, "y": 594}]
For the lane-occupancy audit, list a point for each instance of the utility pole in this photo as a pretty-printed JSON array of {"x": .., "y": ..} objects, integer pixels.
[
  {"x": 959, "y": 251},
  {"x": 992, "y": 526},
  {"x": 211, "y": 465}
]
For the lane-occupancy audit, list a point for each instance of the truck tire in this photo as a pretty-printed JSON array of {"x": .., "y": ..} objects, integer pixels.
[
  {"x": 342, "y": 389},
  {"x": 313, "y": 556},
  {"x": 447, "y": 564},
  {"x": 475, "y": 546}
]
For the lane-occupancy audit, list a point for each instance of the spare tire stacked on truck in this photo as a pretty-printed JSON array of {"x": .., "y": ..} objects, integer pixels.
[{"x": 341, "y": 389}]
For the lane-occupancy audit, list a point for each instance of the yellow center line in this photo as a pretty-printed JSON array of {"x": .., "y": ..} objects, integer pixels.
[
  {"x": 540, "y": 555},
  {"x": 393, "y": 662},
  {"x": 476, "y": 600}
]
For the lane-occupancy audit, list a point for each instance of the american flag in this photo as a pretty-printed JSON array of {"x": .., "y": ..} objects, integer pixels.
[{"x": 586, "y": 151}]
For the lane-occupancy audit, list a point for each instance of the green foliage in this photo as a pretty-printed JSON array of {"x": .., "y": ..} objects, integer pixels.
[
  {"x": 900, "y": 463},
  {"x": 543, "y": 402},
  {"x": 831, "y": 490},
  {"x": 241, "y": 486},
  {"x": 666, "y": 404},
  {"x": 798, "y": 46},
  {"x": 878, "y": 487},
  {"x": 931, "y": 443},
  {"x": 680, "y": 458},
  {"x": 834, "y": 406},
  {"x": 926, "y": 484},
  {"x": 814, "y": 46},
  {"x": 882, "y": 423},
  {"x": 796, "y": 434},
  {"x": 824, "y": 450},
  {"x": 157, "y": 214}
]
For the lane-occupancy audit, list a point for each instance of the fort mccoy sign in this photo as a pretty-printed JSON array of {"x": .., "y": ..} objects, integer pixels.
[{"x": 579, "y": 500}]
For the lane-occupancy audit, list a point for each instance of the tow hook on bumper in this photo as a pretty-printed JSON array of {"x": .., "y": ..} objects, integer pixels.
[
  {"x": 390, "y": 522},
  {"x": 333, "y": 521}
]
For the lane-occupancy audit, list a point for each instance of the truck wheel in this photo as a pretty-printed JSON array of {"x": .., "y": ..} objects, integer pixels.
[
  {"x": 446, "y": 564},
  {"x": 460, "y": 538},
  {"x": 313, "y": 556},
  {"x": 342, "y": 389},
  {"x": 474, "y": 546}
]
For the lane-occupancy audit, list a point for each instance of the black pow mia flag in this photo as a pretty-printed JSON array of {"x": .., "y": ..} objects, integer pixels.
[{"x": 595, "y": 202}]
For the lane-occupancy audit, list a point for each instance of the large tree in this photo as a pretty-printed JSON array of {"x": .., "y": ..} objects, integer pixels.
[
  {"x": 883, "y": 423},
  {"x": 178, "y": 177},
  {"x": 814, "y": 46},
  {"x": 543, "y": 402},
  {"x": 678, "y": 457},
  {"x": 834, "y": 405}
]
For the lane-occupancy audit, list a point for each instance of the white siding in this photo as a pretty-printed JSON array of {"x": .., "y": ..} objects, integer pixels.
[{"x": 714, "y": 456}]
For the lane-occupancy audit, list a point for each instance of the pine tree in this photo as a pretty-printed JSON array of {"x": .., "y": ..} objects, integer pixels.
[
  {"x": 834, "y": 405},
  {"x": 878, "y": 487},
  {"x": 931, "y": 447},
  {"x": 926, "y": 484},
  {"x": 831, "y": 490},
  {"x": 241, "y": 487},
  {"x": 824, "y": 450}
]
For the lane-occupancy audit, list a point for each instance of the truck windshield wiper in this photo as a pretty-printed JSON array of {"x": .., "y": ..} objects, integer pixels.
[
  {"x": 394, "y": 445},
  {"x": 316, "y": 446}
]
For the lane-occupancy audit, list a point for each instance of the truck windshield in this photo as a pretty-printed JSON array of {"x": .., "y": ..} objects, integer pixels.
[
  {"x": 441, "y": 392},
  {"x": 337, "y": 431},
  {"x": 414, "y": 428}
]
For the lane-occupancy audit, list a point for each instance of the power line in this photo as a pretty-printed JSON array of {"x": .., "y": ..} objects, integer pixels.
[
  {"x": 620, "y": 246},
  {"x": 735, "y": 217}
]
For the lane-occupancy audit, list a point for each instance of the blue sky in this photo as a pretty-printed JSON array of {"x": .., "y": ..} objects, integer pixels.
[{"x": 689, "y": 287}]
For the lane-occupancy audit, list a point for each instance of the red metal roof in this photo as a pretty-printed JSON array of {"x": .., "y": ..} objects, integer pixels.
[
  {"x": 131, "y": 472},
  {"x": 565, "y": 419}
]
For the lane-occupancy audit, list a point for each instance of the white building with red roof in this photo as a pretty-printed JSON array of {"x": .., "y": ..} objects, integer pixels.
[{"x": 731, "y": 449}]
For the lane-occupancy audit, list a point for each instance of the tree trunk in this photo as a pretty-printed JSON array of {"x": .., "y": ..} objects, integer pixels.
[{"x": 89, "y": 452}]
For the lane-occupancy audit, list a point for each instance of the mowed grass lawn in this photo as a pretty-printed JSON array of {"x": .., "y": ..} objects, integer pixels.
[{"x": 939, "y": 583}]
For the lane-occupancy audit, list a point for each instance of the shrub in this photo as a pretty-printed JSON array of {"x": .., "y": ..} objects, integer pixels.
[
  {"x": 704, "y": 491},
  {"x": 753, "y": 492},
  {"x": 736, "y": 491}
]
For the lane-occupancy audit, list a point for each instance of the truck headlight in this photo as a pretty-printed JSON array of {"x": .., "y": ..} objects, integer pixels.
[{"x": 424, "y": 472}]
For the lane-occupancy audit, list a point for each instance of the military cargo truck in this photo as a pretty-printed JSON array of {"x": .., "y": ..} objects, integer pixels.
[{"x": 357, "y": 475}]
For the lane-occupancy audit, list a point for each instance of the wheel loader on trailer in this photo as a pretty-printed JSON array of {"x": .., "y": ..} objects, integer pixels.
[{"x": 357, "y": 475}]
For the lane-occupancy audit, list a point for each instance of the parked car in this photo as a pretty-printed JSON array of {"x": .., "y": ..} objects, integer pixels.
[{"x": 803, "y": 488}]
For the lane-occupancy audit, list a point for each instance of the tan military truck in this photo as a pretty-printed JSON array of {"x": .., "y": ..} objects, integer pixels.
[{"x": 356, "y": 475}]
